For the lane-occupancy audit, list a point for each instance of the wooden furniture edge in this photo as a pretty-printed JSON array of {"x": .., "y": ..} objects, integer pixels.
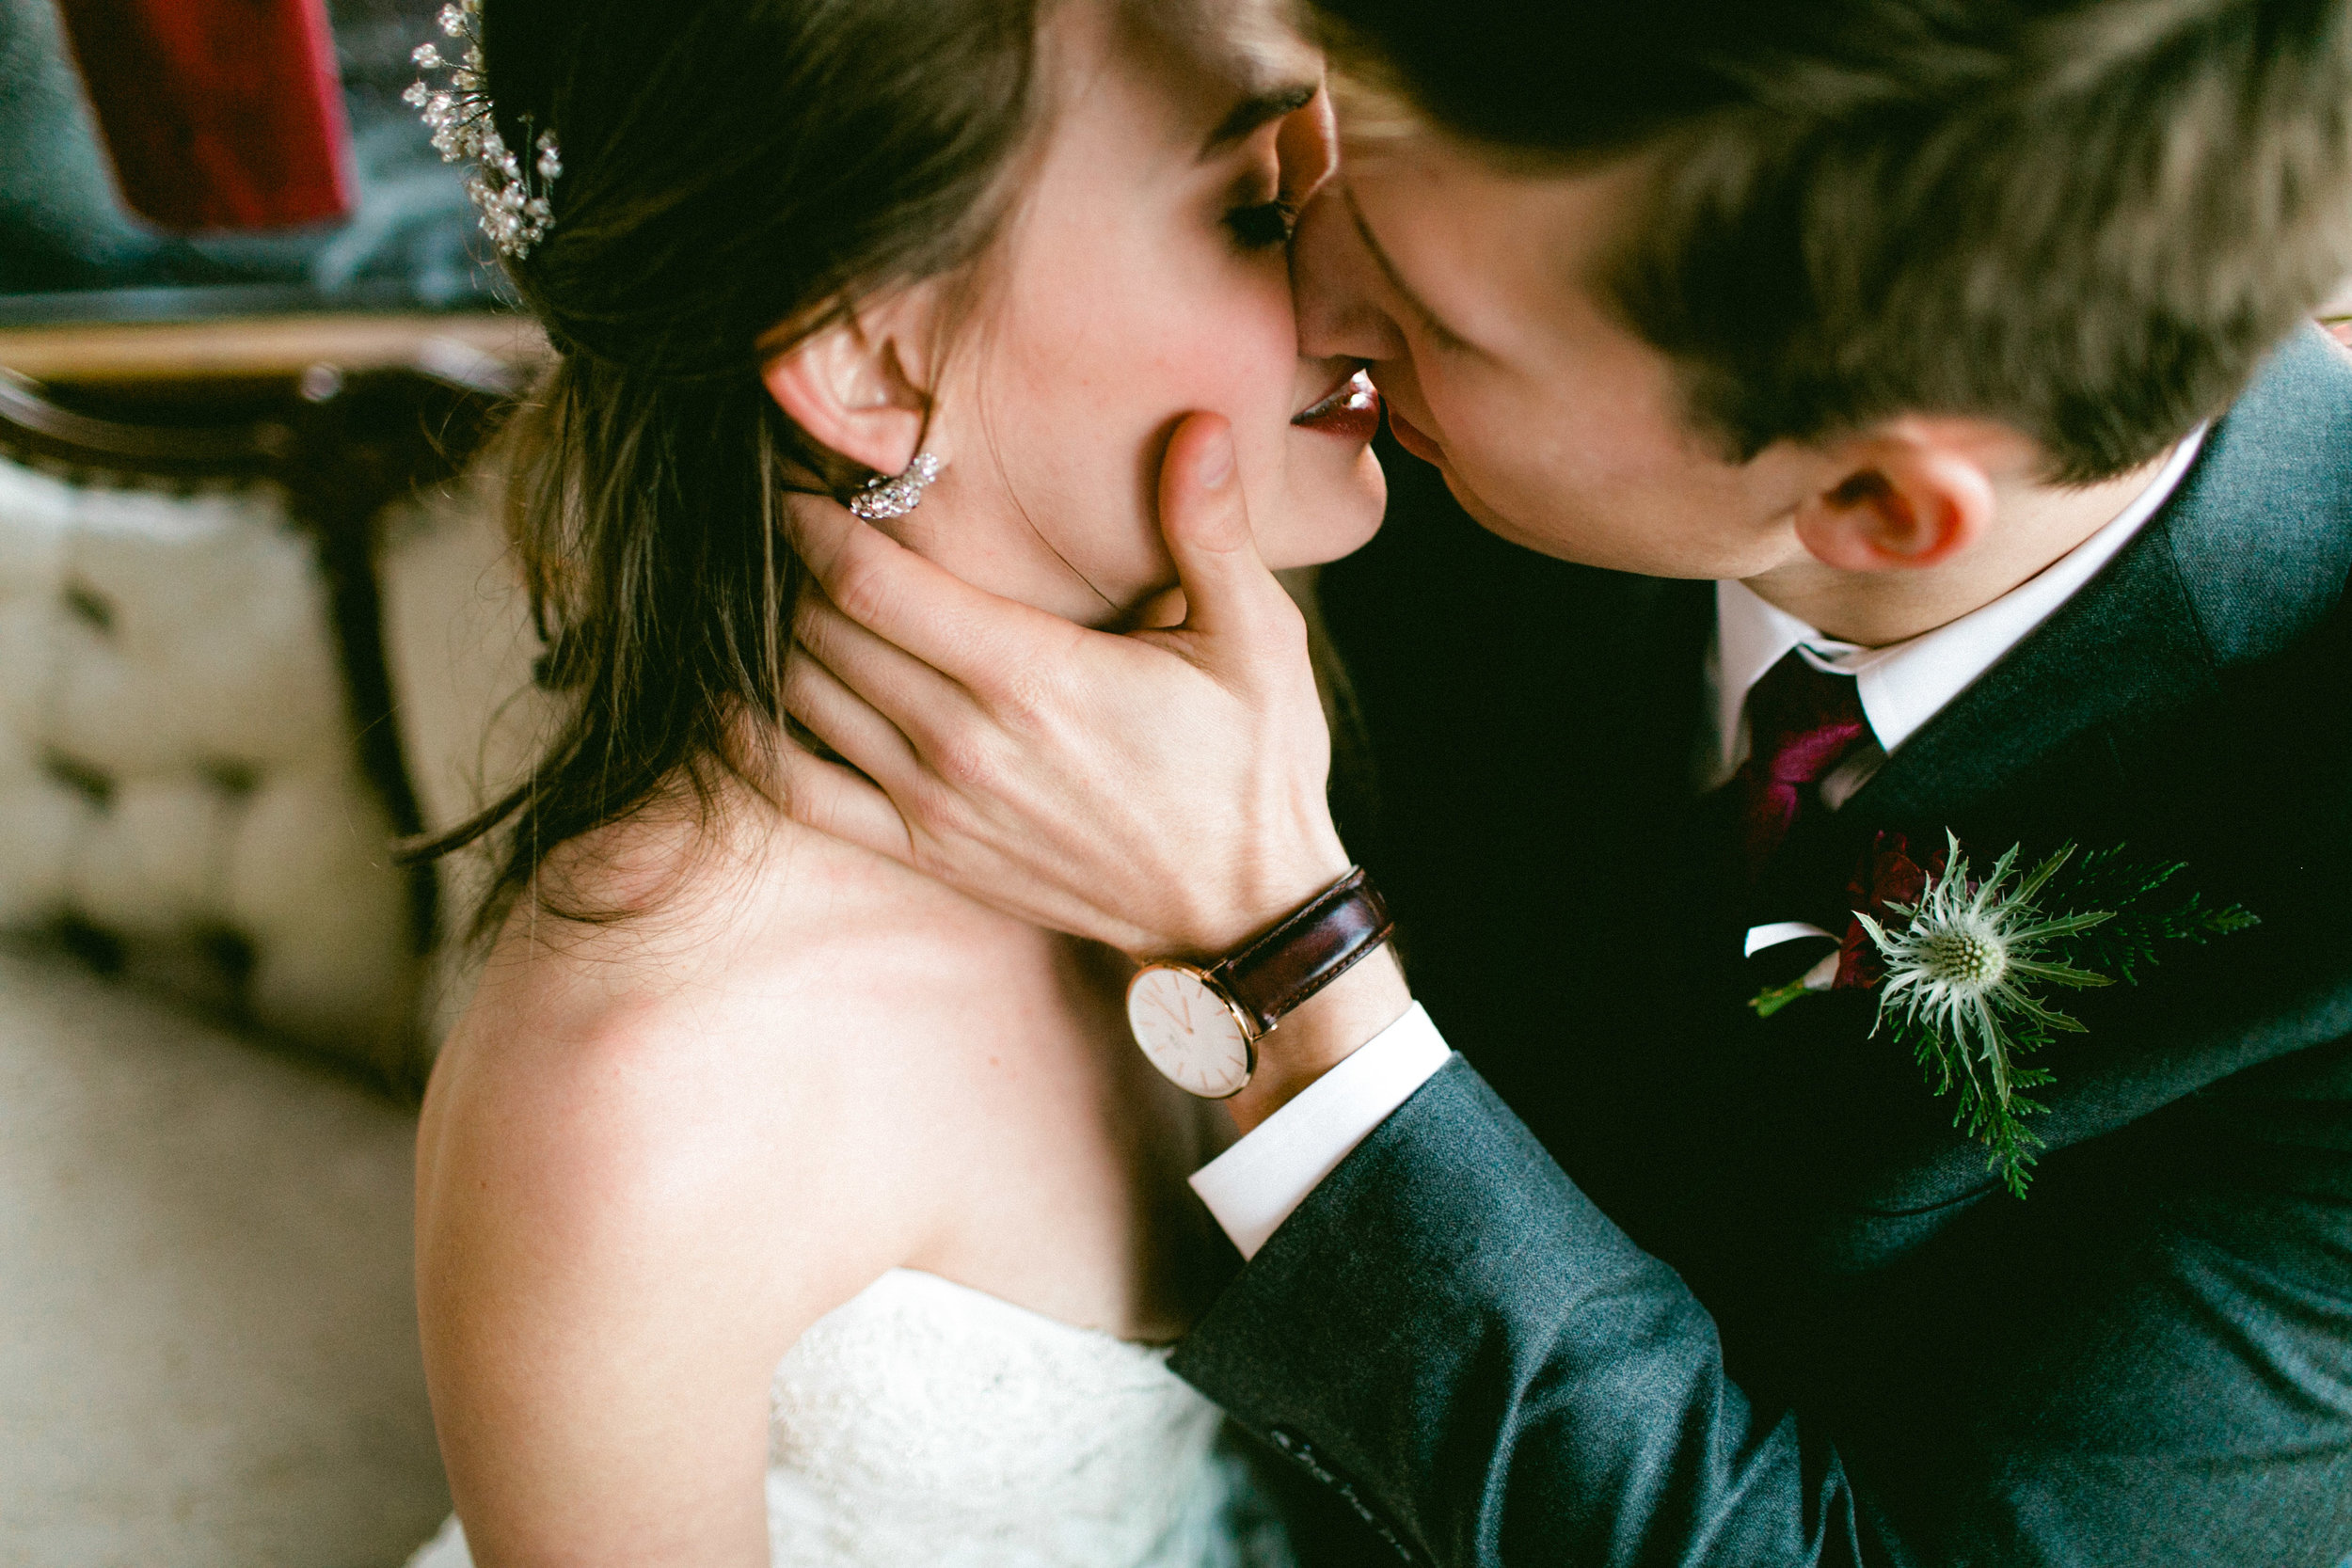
[{"x": 467, "y": 349}]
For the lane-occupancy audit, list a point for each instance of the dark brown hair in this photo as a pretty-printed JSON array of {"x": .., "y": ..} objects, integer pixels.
[
  {"x": 729, "y": 166},
  {"x": 2087, "y": 219}
]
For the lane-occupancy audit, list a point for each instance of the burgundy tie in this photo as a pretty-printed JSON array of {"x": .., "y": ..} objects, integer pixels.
[{"x": 1801, "y": 723}]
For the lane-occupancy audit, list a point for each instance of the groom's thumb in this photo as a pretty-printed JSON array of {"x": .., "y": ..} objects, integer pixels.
[{"x": 1229, "y": 594}]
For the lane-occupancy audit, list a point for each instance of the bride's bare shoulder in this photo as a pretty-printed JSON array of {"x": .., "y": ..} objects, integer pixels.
[
  {"x": 681, "y": 1030},
  {"x": 652, "y": 1154},
  {"x": 695, "y": 917}
]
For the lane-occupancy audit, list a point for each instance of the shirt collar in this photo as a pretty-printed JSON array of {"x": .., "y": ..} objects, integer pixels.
[{"x": 1905, "y": 684}]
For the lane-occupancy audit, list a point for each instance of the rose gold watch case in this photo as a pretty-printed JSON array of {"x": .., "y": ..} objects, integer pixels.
[{"x": 1177, "y": 1047}]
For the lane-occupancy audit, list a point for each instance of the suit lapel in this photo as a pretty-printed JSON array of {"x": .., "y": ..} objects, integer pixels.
[
  {"x": 2124, "y": 648},
  {"x": 2127, "y": 643},
  {"x": 2243, "y": 562}
]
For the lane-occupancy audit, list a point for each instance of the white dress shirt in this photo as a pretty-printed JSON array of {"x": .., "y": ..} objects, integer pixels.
[{"x": 1255, "y": 1185}]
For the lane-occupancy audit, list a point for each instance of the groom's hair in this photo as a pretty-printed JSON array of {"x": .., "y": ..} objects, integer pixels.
[{"x": 2087, "y": 219}]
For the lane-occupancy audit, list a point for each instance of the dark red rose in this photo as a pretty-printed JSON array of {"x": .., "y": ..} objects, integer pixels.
[{"x": 1888, "y": 876}]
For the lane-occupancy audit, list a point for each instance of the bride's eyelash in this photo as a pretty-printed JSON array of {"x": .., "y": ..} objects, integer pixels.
[{"x": 1264, "y": 225}]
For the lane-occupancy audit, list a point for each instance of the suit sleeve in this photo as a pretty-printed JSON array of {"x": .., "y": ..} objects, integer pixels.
[{"x": 1450, "y": 1333}]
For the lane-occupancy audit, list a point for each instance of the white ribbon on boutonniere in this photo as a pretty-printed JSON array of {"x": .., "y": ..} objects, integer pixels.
[
  {"x": 1821, "y": 976},
  {"x": 1962, "y": 965}
]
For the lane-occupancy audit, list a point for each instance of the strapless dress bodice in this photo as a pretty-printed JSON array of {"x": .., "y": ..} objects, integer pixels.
[{"x": 924, "y": 1422}]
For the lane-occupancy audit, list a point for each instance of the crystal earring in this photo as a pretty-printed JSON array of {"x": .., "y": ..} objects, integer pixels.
[{"x": 884, "y": 499}]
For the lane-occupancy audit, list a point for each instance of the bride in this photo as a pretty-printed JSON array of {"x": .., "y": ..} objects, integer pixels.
[{"x": 775, "y": 1203}]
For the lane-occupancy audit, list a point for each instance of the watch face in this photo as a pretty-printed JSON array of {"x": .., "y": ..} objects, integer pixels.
[{"x": 1189, "y": 1032}]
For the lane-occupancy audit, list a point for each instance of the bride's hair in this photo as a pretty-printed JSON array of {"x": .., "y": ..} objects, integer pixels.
[{"x": 730, "y": 167}]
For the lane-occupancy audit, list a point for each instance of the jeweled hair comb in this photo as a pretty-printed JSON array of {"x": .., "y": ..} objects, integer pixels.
[{"x": 511, "y": 195}]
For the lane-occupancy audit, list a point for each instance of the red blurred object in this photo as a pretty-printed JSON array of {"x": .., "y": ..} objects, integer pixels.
[{"x": 219, "y": 114}]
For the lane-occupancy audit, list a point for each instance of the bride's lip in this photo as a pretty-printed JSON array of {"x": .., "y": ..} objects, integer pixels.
[{"x": 1352, "y": 410}]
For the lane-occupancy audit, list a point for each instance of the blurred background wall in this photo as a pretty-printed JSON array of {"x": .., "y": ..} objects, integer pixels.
[{"x": 71, "y": 252}]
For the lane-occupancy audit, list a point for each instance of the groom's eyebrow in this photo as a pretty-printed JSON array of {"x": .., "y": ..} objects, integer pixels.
[{"x": 1256, "y": 110}]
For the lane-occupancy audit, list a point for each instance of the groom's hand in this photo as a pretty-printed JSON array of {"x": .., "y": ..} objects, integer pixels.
[{"x": 1159, "y": 791}]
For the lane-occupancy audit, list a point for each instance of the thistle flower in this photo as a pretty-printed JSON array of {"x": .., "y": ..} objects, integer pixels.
[
  {"x": 1959, "y": 968},
  {"x": 1957, "y": 974}
]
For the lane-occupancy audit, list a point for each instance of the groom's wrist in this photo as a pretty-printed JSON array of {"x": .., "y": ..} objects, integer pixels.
[
  {"x": 1321, "y": 1032},
  {"x": 1256, "y": 894}
]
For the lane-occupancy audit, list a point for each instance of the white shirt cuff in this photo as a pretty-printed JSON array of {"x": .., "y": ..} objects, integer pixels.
[{"x": 1252, "y": 1187}]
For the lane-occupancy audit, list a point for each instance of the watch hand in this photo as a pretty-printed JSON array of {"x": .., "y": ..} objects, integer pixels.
[{"x": 1168, "y": 1010}]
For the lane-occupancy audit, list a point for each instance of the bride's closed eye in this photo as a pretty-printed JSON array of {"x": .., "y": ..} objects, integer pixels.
[
  {"x": 1264, "y": 225},
  {"x": 1265, "y": 207}
]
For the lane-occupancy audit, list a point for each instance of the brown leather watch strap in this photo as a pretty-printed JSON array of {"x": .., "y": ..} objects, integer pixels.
[{"x": 1345, "y": 923}]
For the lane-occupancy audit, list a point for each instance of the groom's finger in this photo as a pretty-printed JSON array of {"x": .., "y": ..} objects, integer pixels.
[
  {"x": 1230, "y": 596},
  {"x": 914, "y": 696},
  {"x": 837, "y": 802},
  {"x": 847, "y": 724},
  {"x": 964, "y": 632}
]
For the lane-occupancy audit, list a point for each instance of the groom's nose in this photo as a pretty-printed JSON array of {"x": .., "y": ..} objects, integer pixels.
[{"x": 1338, "y": 287}]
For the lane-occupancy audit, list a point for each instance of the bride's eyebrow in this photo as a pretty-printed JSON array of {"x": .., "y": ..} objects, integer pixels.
[{"x": 1255, "y": 110}]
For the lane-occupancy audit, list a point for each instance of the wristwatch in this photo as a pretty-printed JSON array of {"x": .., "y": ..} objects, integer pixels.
[{"x": 1201, "y": 1027}]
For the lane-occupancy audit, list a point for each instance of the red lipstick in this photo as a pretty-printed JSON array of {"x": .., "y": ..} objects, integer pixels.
[{"x": 1351, "y": 412}]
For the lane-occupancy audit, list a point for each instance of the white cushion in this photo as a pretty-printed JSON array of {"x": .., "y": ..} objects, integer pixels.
[
  {"x": 176, "y": 767},
  {"x": 219, "y": 648}
]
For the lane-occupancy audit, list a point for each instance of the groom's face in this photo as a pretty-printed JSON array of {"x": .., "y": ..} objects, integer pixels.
[{"x": 1474, "y": 293}]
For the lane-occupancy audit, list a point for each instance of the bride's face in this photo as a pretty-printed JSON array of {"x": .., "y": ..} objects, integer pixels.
[{"x": 1143, "y": 274}]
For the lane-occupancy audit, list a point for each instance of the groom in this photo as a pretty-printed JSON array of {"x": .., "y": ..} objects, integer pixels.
[{"x": 1910, "y": 401}]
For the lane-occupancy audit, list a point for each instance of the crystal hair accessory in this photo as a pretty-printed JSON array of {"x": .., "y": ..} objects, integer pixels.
[
  {"x": 511, "y": 196},
  {"x": 884, "y": 499}
]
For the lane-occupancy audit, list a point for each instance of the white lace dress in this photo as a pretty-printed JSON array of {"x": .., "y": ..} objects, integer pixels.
[{"x": 927, "y": 1423}]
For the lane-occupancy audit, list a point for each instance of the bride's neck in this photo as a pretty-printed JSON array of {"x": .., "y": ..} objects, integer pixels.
[{"x": 1010, "y": 553}]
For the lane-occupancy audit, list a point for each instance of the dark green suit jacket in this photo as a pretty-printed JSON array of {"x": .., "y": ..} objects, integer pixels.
[{"x": 1689, "y": 1285}]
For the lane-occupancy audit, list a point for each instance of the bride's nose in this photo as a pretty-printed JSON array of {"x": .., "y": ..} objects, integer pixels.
[{"x": 1336, "y": 285}]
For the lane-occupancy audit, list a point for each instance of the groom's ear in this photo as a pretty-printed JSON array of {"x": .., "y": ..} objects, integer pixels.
[
  {"x": 1914, "y": 492},
  {"x": 854, "y": 386}
]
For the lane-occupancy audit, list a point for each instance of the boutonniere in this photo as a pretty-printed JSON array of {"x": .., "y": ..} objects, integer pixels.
[{"x": 1964, "y": 964}]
